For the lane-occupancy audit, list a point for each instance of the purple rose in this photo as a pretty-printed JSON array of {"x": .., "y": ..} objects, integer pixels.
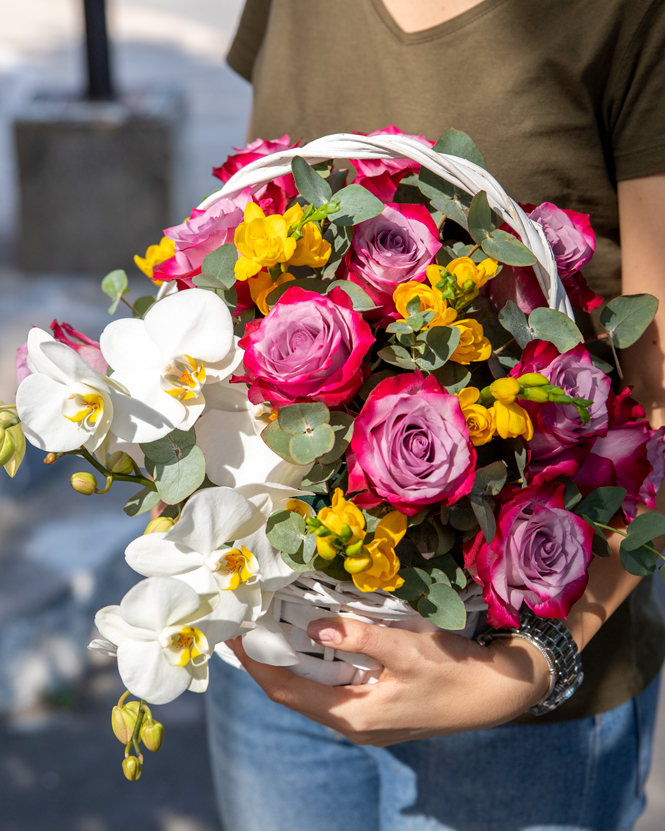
[
  {"x": 539, "y": 556},
  {"x": 569, "y": 233},
  {"x": 197, "y": 237},
  {"x": 410, "y": 446},
  {"x": 656, "y": 458},
  {"x": 394, "y": 247},
  {"x": 575, "y": 373}
]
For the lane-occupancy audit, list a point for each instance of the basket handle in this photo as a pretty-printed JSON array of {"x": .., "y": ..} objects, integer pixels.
[{"x": 461, "y": 173}]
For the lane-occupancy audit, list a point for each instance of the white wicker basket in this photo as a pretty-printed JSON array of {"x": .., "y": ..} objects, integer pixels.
[{"x": 316, "y": 595}]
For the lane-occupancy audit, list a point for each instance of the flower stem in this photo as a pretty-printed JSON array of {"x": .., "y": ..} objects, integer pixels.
[
  {"x": 115, "y": 477},
  {"x": 624, "y": 534},
  {"x": 127, "y": 303}
]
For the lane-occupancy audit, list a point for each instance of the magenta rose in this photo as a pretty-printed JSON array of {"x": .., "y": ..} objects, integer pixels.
[
  {"x": 656, "y": 458},
  {"x": 392, "y": 248},
  {"x": 309, "y": 347},
  {"x": 575, "y": 373},
  {"x": 522, "y": 287},
  {"x": 410, "y": 446},
  {"x": 197, "y": 237},
  {"x": 620, "y": 458},
  {"x": 382, "y": 176},
  {"x": 280, "y": 191},
  {"x": 569, "y": 233},
  {"x": 539, "y": 556}
]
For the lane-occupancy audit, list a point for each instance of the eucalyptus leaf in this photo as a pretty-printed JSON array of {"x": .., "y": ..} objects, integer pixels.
[
  {"x": 339, "y": 237},
  {"x": 452, "y": 571},
  {"x": 454, "y": 377},
  {"x": 357, "y": 204},
  {"x": 115, "y": 285},
  {"x": 298, "y": 418},
  {"x": 602, "y": 504},
  {"x": 278, "y": 441},
  {"x": 297, "y": 562},
  {"x": 320, "y": 473},
  {"x": 286, "y": 531},
  {"x": 626, "y": 318},
  {"x": 306, "y": 283},
  {"x": 480, "y": 218},
  {"x": 179, "y": 478},
  {"x": 572, "y": 495},
  {"x": 462, "y": 516},
  {"x": 307, "y": 447},
  {"x": 171, "y": 448},
  {"x": 219, "y": 266},
  {"x": 453, "y": 206},
  {"x": 504, "y": 247},
  {"x": 441, "y": 342},
  {"x": 490, "y": 479},
  {"x": 512, "y": 318},
  {"x": 416, "y": 584},
  {"x": 143, "y": 304},
  {"x": 447, "y": 538},
  {"x": 362, "y": 302},
  {"x": 555, "y": 327},
  {"x": 373, "y": 381},
  {"x": 141, "y": 502},
  {"x": 313, "y": 187},
  {"x": 309, "y": 548},
  {"x": 425, "y": 538},
  {"x": 638, "y": 561},
  {"x": 516, "y": 457},
  {"x": 457, "y": 143},
  {"x": 342, "y": 425},
  {"x": 398, "y": 356},
  {"x": 483, "y": 508},
  {"x": 642, "y": 530},
  {"x": 444, "y": 607}
]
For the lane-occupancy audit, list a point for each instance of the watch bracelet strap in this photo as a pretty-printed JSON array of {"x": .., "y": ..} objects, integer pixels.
[{"x": 559, "y": 649}]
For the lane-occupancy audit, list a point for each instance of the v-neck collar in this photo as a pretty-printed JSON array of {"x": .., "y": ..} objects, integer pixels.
[{"x": 441, "y": 29}]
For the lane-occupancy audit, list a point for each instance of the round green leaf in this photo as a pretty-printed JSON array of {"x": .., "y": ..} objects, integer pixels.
[
  {"x": 555, "y": 327},
  {"x": 171, "y": 447},
  {"x": 311, "y": 186},
  {"x": 179, "y": 478},
  {"x": 297, "y": 418},
  {"x": 626, "y": 318},
  {"x": 286, "y": 531},
  {"x": 504, "y": 247},
  {"x": 643, "y": 529},
  {"x": 443, "y": 607},
  {"x": 480, "y": 218},
  {"x": 357, "y": 204},
  {"x": 307, "y": 447}
]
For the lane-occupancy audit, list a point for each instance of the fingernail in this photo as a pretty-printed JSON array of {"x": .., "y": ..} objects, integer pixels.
[{"x": 324, "y": 632}]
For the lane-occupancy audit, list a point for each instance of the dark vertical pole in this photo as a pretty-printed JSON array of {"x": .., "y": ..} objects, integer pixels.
[{"x": 100, "y": 85}]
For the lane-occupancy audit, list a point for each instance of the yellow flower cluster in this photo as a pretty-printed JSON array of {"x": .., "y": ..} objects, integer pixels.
[
  {"x": 430, "y": 301},
  {"x": 372, "y": 566},
  {"x": 155, "y": 255},
  {"x": 264, "y": 242},
  {"x": 465, "y": 269},
  {"x": 505, "y": 418}
]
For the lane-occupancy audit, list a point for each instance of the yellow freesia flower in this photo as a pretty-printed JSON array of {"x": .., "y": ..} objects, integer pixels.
[
  {"x": 473, "y": 345},
  {"x": 430, "y": 301},
  {"x": 312, "y": 250},
  {"x": 505, "y": 389},
  {"x": 261, "y": 286},
  {"x": 346, "y": 522},
  {"x": 479, "y": 419},
  {"x": 511, "y": 420},
  {"x": 464, "y": 269},
  {"x": 377, "y": 566},
  {"x": 297, "y": 506},
  {"x": 155, "y": 255},
  {"x": 263, "y": 241}
]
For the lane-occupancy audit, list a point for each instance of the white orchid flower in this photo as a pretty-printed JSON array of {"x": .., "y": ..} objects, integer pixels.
[
  {"x": 184, "y": 342},
  {"x": 64, "y": 404},
  {"x": 161, "y": 647},
  {"x": 218, "y": 547}
]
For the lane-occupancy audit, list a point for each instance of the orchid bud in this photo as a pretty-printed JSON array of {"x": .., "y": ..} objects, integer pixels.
[
  {"x": 7, "y": 446},
  {"x": 84, "y": 483},
  {"x": 123, "y": 721},
  {"x": 159, "y": 524},
  {"x": 152, "y": 734},
  {"x": 120, "y": 462},
  {"x": 50, "y": 459},
  {"x": 131, "y": 767}
]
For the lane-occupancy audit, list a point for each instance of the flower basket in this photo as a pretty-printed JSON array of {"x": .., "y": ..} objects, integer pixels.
[{"x": 318, "y": 595}]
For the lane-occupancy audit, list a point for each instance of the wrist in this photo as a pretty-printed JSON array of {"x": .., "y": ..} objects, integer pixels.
[{"x": 526, "y": 664}]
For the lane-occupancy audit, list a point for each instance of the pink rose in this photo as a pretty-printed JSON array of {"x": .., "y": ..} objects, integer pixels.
[
  {"x": 382, "y": 176},
  {"x": 197, "y": 237},
  {"x": 309, "y": 347},
  {"x": 522, "y": 287},
  {"x": 569, "y": 233},
  {"x": 539, "y": 556},
  {"x": 410, "y": 446},
  {"x": 620, "y": 457},
  {"x": 392, "y": 248},
  {"x": 656, "y": 458},
  {"x": 281, "y": 190}
]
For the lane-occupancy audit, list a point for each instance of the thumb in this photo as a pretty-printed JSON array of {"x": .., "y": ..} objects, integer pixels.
[{"x": 385, "y": 644}]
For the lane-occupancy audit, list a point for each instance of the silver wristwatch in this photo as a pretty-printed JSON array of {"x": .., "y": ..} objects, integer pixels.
[{"x": 559, "y": 649}]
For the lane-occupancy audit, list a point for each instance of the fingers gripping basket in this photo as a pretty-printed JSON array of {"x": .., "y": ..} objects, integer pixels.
[{"x": 314, "y": 596}]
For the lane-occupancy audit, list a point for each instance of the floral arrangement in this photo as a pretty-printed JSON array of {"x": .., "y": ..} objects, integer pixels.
[{"x": 362, "y": 381}]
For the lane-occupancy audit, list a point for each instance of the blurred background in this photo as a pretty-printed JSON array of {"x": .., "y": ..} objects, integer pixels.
[{"x": 92, "y": 166}]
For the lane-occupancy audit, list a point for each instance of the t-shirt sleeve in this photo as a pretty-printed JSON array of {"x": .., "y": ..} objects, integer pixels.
[
  {"x": 638, "y": 128},
  {"x": 249, "y": 37}
]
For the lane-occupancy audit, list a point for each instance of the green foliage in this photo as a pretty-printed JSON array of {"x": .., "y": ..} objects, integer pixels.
[
  {"x": 339, "y": 237},
  {"x": 143, "y": 304},
  {"x": 176, "y": 464},
  {"x": 298, "y": 418},
  {"x": 306, "y": 283},
  {"x": 313, "y": 187},
  {"x": 513, "y": 319},
  {"x": 457, "y": 143},
  {"x": 454, "y": 377},
  {"x": 286, "y": 530},
  {"x": 626, "y": 318},
  {"x": 642, "y": 530},
  {"x": 555, "y": 327},
  {"x": 441, "y": 342},
  {"x": 217, "y": 270},
  {"x": 600, "y": 505},
  {"x": 490, "y": 479},
  {"x": 311, "y": 445},
  {"x": 115, "y": 286},
  {"x": 357, "y": 204},
  {"x": 507, "y": 249},
  {"x": 142, "y": 502},
  {"x": 480, "y": 218},
  {"x": 362, "y": 302},
  {"x": 342, "y": 425},
  {"x": 444, "y": 607},
  {"x": 398, "y": 356}
]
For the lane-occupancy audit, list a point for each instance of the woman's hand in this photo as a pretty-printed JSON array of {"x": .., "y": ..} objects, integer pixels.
[{"x": 432, "y": 684}]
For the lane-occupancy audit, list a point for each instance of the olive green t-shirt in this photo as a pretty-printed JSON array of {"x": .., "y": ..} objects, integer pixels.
[{"x": 563, "y": 97}]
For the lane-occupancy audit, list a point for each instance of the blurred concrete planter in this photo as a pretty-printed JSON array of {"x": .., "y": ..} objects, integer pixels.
[{"x": 98, "y": 180}]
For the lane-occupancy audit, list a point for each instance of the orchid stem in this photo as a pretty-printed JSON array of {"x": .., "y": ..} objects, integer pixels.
[
  {"x": 115, "y": 477},
  {"x": 129, "y": 305}
]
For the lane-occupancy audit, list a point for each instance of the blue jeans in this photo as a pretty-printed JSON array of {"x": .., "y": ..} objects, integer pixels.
[{"x": 275, "y": 770}]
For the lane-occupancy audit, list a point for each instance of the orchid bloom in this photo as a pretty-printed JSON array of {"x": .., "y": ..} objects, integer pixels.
[
  {"x": 161, "y": 646},
  {"x": 219, "y": 547},
  {"x": 184, "y": 342},
  {"x": 64, "y": 403}
]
